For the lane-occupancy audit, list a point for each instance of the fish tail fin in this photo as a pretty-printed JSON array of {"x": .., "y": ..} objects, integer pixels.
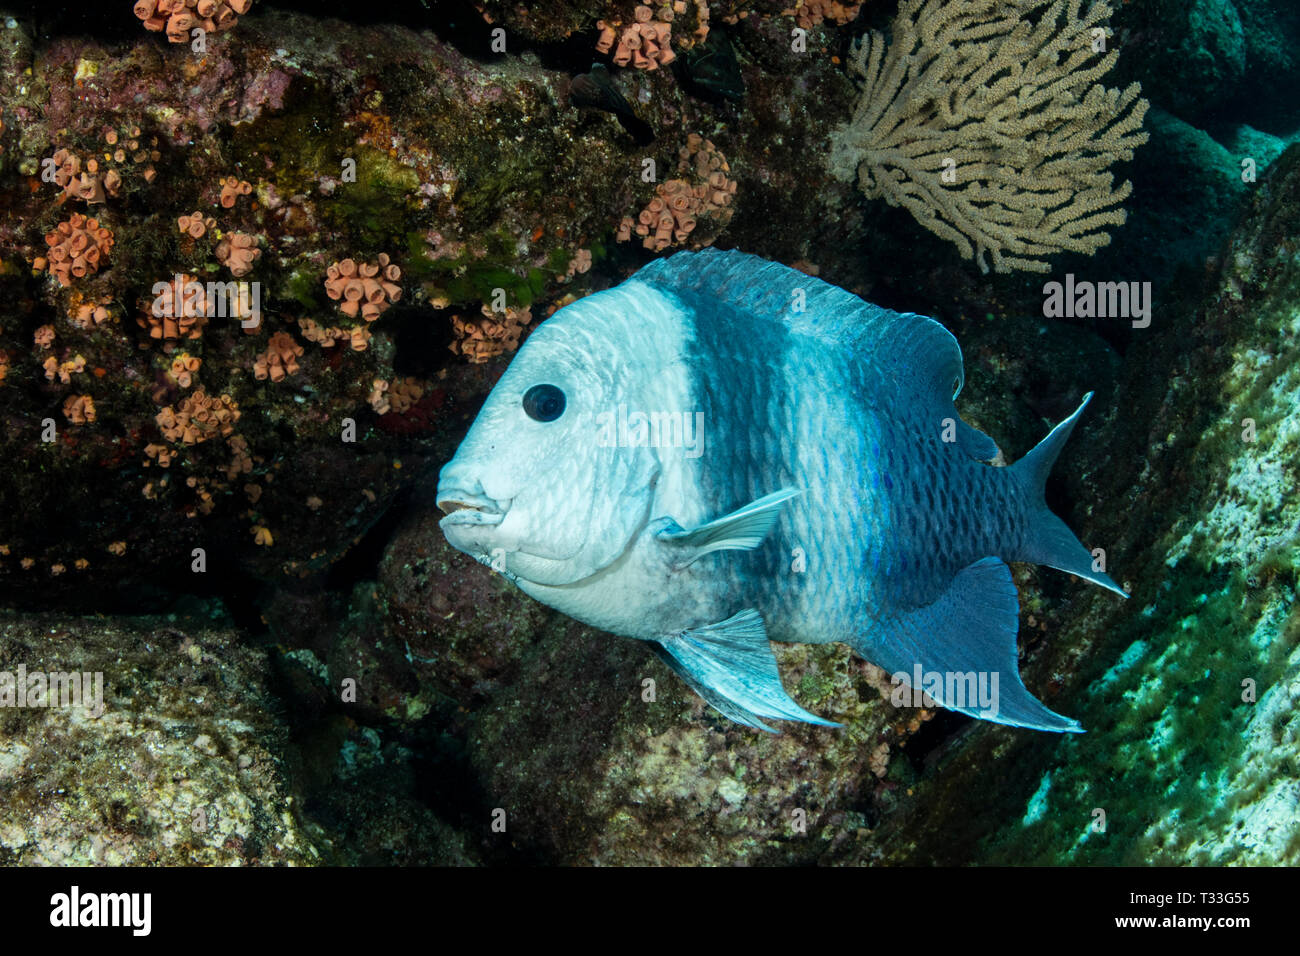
[{"x": 1048, "y": 540}]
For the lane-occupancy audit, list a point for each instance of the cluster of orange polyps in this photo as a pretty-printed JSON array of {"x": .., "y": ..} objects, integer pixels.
[
  {"x": 358, "y": 337},
  {"x": 198, "y": 418},
  {"x": 238, "y": 252},
  {"x": 811, "y": 13},
  {"x": 396, "y": 396},
  {"x": 479, "y": 339},
  {"x": 64, "y": 371},
  {"x": 184, "y": 367},
  {"x": 179, "y": 17},
  {"x": 195, "y": 225},
  {"x": 367, "y": 287},
  {"x": 86, "y": 183},
  {"x": 79, "y": 409},
  {"x": 77, "y": 247},
  {"x": 581, "y": 262},
  {"x": 671, "y": 215},
  {"x": 645, "y": 44},
  {"x": 241, "y": 462},
  {"x": 279, "y": 359},
  {"x": 179, "y": 312},
  {"x": 87, "y": 315},
  {"x": 232, "y": 189}
]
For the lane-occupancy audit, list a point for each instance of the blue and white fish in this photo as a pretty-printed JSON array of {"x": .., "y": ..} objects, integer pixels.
[{"x": 723, "y": 452}]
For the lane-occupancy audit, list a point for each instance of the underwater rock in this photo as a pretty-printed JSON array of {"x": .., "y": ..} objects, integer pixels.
[
  {"x": 1187, "y": 193},
  {"x": 463, "y": 628},
  {"x": 370, "y": 796},
  {"x": 1203, "y": 59},
  {"x": 1272, "y": 62},
  {"x": 589, "y": 771},
  {"x": 185, "y": 764}
]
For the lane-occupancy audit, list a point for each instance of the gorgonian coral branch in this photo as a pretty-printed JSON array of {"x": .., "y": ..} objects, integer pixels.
[{"x": 986, "y": 121}]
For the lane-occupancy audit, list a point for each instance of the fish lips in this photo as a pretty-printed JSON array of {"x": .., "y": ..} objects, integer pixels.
[
  {"x": 471, "y": 530},
  {"x": 452, "y": 499},
  {"x": 478, "y": 526},
  {"x": 466, "y": 510},
  {"x": 471, "y": 517},
  {"x": 469, "y": 521}
]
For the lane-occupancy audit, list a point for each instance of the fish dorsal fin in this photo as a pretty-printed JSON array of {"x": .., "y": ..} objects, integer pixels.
[
  {"x": 730, "y": 665},
  {"x": 917, "y": 355},
  {"x": 969, "y": 630},
  {"x": 742, "y": 530}
]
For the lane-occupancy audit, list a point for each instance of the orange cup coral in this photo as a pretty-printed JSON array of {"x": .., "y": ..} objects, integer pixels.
[
  {"x": 77, "y": 247},
  {"x": 358, "y": 337},
  {"x": 238, "y": 252},
  {"x": 367, "y": 287},
  {"x": 88, "y": 315},
  {"x": 88, "y": 183},
  {"x": 280, "y": 358},
  {"x": 198, "y": 418},
  {"x": 396, "y": 396},
  {"x": 180, "y": 311},
  {"x": 479, "y": 339},
  {"x": 179, "y": 17},
  {"x": 673, "y": 214},
  {"x": 183, "y": 369},
  {"x": 231, "y": 189},
  {"x": 79, "y": 409},
  {"x": 195, "y": 225}
]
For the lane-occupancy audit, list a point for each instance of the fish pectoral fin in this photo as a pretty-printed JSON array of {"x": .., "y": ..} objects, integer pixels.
[
  {"x": 742, "y": 530},
  {"x": 966, "y": 638},
  {"x": 732, "y": 667}
]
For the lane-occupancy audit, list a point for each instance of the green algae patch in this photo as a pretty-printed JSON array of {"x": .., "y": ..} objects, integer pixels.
[
  {"x": 307, "y": 146},
  {"x": 376, "y": 210},
  {"x": 1168, "y": 725}
]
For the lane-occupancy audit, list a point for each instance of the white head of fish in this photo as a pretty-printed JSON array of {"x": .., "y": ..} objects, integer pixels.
[{"x": 536, "y": 489}]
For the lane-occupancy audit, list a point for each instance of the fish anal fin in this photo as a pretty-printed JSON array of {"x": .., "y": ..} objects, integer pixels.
[{"x": 964, "y": 645}]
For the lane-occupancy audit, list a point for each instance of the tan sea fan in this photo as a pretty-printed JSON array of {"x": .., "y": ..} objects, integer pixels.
[{"x": 986, "y": 121}]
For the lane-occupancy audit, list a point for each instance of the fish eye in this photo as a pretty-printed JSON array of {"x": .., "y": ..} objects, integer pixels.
[{"x": 544, "y": 403}]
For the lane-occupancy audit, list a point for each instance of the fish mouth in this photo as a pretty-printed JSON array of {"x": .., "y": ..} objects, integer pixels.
[{"x": 465, "y": 509}]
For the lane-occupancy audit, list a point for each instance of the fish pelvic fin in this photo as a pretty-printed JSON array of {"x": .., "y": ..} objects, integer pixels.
[
  {"x": 1048, "y": 540},
  {"x": 743, "y": 530},
  {"x": 731, "y": 665},
  {"x": 962, "y": 651}
]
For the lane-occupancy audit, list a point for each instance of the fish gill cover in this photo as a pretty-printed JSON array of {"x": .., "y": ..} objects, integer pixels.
[{"x": 746, "y": 336}]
